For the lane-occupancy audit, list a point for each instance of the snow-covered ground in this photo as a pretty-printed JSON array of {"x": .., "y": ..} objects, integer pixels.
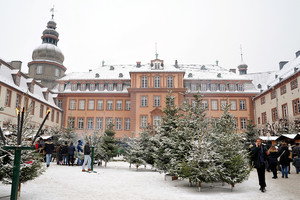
[{"x": 119, "y": 182}]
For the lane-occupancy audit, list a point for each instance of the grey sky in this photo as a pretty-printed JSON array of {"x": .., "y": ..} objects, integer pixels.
[{"x": 125, "y": 31}]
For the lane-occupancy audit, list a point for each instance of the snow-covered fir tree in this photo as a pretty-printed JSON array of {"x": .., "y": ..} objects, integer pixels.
[
  {"x": 148, "y": 145},
  {"x": 107, "y": 148},
  {"x": 31, "y": 161},
  {"x": 232, "y": 158},
  {"x": 166, "y": 136},
  {"x": 135, "y": 153},
  {"x": 250, "y": 134}
]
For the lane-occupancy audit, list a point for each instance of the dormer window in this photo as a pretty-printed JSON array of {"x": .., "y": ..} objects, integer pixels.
[
  {"x": 120, "y": 87},
  {"x": 39, "y": 69},
  {"x": 46, "y": 95},
  {"x": 110, "y": 87},
  {"x": 92, "y": 87},
  {"x": 61, "y": 87},
  {"x": 157, "y": 64},
  {"x": 82, "y": 86},
  {"x": 74, "y": 86}
]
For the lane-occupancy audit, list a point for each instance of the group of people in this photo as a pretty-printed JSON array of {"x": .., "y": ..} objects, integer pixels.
[
  {"x": 276, "y": 158},
  {"x": 65, "y": 153}
]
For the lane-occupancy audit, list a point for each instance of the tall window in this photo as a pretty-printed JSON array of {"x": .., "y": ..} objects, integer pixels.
[
  {"x": 144, "y": 121},
  {"x": 120, "y": 87},
  {"x": 81, "y": 105},
  {"x": 109, "y": 120},
  {"x": 264, "y": 118},
  {"x": 231, "y": 87},
  {"x": 296, "y": 106},
  {"x": 203, "y": 87},
  {"x": 118, "y": 123},
  {"x": 243, "y": 123},
  {"x": 144, "y": 101},
  {"x": 41, "y": 111},
  {"x": 273, "y": 94},
  {"x": 156, "y": 101},
  {"x": 242, "y": 105},
  {"x": 101, "y": 87},
  {"x": 92, "y": 87},
  {"x": 294, "y": 84},
  {"x": 157, "y": 82},
  {"x": 39, "y": 69},
  {"x": 127, "y": 123},
  {"x": 72, "y": 105},
  {"x": 156, "y": 121},
  {"x": 170, "y": 82},
  {"x": 144, "y": 82},
  {"x": 119, "y": 105},
  {"x": 91, "y": 104},
  {"x": 240, "y": 87},
  {"x": 284, "y": 111},
  {"x": 263, "y": 100},
  {"x": 204, "y": 104},
  {"x": 82, "y": 86},
  {"x": 274, "y": 114},
  {"x": 8, "y": 98},
  {"x": 99, "y": 123},
  {"x": 90, "y": 123},
  {"x": 74, "y": 87},
  {"x": 18, "y": 101},
  {"x": 214, "y": 104},
  {"x": 128, "y": 105},
  {"x": 32, "y": 107},
  {"x": 109, "y": 105},
  {"x": 99, "y": 104},
  {"x": 59, "y": 103},
  {"x": 222, "y": 87},
  {"x": 223, "y": 104},
  {"x": 213, "y": 87},
  {"x": 233, "y": 105},
  {"x": 80, "y": 123},
  {"x": 283, "y": 90},
  {"x": 71, "y": 122},
  {"x": 110, "y": 87}
]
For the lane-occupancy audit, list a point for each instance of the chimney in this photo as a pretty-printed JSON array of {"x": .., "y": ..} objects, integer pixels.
[
  {"x": 176, "y": 63},
  {"x": 281, "y": 64},
  {"x": 138, "y": 64},
  {"x": 297, "y": 54},
  {"x": 16, "y": 64},
  {"x": 232, "y": 70}
]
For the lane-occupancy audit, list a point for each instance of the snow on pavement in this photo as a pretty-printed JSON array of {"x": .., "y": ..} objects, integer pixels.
[{"x": 117, "y": 181}]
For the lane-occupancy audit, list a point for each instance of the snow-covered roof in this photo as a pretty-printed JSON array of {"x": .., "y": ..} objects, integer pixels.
[
  {"x": 268, "y": 138},
  {"x": 122, "y": 72},
  {"x": 6, "y": 78},
  {"x": 261, "y": 79}
]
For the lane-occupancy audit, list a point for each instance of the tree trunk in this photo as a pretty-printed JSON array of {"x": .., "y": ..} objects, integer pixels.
[{"x": 105, "y": 163}]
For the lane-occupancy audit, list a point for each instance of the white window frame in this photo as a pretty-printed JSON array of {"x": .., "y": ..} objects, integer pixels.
[
  {"x": 156, "y": 101},
  {"x": 91, "y": 104},
  {"x": 99, "y": 123},
  {"x": 243, "y": 123},
  {"x": 72, "y": 105},
  {"x": 156, "y": 121},
  {"x": 233, "y": 105},
  {"x": 119, "y": 105},
  {"x": 80, "y": 123},
  {"x": 144, "y": 121},
  {"x": 81, "y": 104},
  {"x": 214, "y": 105},
  {"x": 223, "y": 103},
  {"x": 242, "y": 104},
  {"x": 170, "y": 82},
  {"x": 109, "y": 105},
  {"x": 128, "y": 105},
  {"x": 118, "y": 123},
  {"x": 127, "y": 123},
  {"x": 144, "y": 82},
  {"x": 100, "y": 104},
  {"x": 157, "y": 82},
  {"x": 204, "y": 104},
  {"x": 90, "y": 123},
  {"x": 144, "y": 101},
  {"x": 109, "y": 120}
]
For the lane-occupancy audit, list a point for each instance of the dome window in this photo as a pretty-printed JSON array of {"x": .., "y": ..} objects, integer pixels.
[
  {"x": 203, "y": 67},
  {"x": 259, "y": 86},
  {"x": 39, "y": 69},
  {"x": 219, "y": 75},
  {"x": 97, "y": 75},
  {"x": 111, "y": 68},
  {"x": 120, "y": 75},
  {"x": 190, "y": 75}
]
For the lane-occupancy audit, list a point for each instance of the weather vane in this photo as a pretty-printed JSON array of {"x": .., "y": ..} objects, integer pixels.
[
  {"x": 241, "y": 53},
  {"x": 156, "y": 54}
]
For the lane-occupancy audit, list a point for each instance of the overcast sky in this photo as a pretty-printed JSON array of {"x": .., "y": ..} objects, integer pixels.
[{"x": 125, "y": 31}]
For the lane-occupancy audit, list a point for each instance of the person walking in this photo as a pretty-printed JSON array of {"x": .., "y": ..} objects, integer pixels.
[
  {"x": 71, "y": 150},
  {"x": 258, "y": 156},
  {"x": 65, "y": 153},
  {"x": 284, "y": 159},
  {"x": 296, "y": 157},
  {"x": 273, "y": 162},
  {"x": 87, "y": 157},
  {"x": 79, "y": 150},
  {"x": 49, "y": 147}
]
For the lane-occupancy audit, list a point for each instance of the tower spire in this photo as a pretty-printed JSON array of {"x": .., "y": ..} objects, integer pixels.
[
  {"x": 156, "y": 54},
  {"x": 52, "y": 10},
  {"x": 241, "y": 54}
]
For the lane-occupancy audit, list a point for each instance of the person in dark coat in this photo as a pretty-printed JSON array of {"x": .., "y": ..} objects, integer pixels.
[
  {"x": 258, "y": 156},
  {"x": 273, "y": 162},
  {"x": 60, "y": 154},
  {"x": 65, "y": 153},
  {"x": 296, "y": 157},
  {"x": 71, "y": 150},
  {"x": 87, "y": 157},
  {"x": 49, "y": 147},
  {"x": 284, "y": 159}
]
